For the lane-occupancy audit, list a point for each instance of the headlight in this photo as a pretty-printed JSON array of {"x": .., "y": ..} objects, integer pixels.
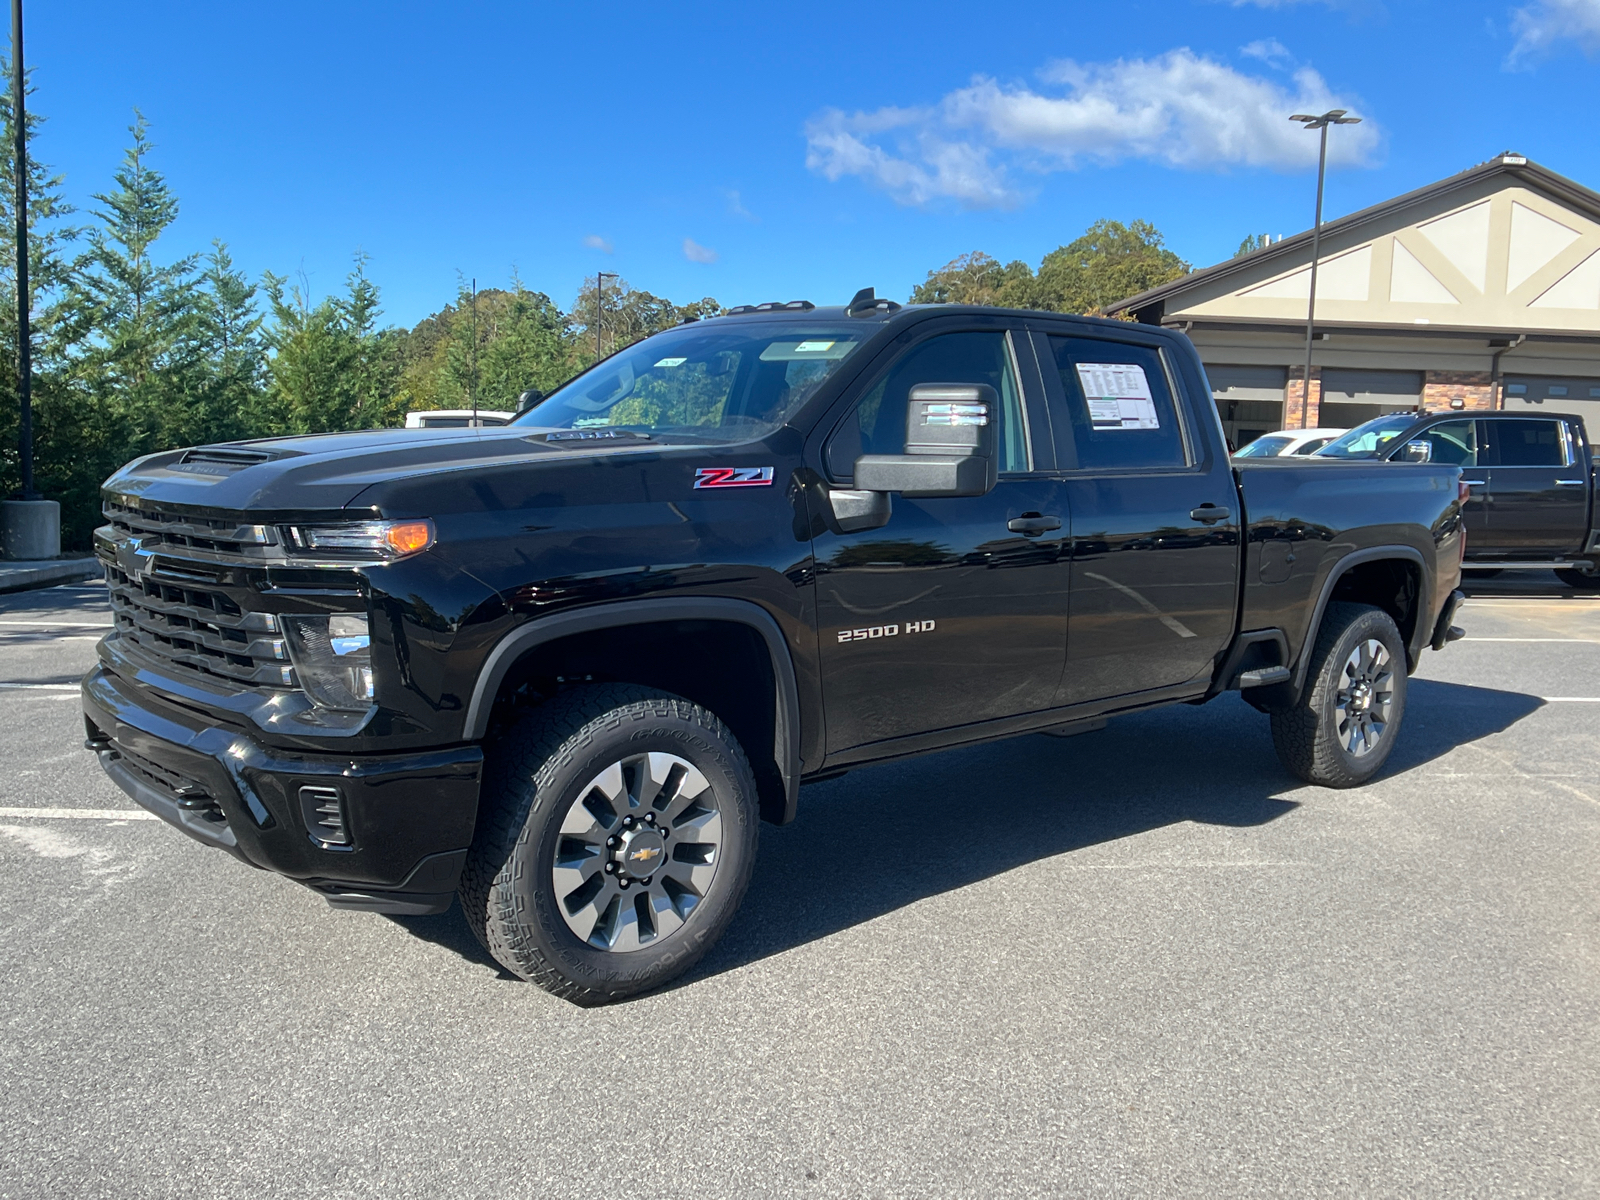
[
  {"x": 332, "y": 655},
  {"x": 386, "y": 539}
]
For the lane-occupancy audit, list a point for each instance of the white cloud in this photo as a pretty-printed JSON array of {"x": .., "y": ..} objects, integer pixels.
[
  {"x": 595, "y": 242},
  {"x": 1270, "y": 51},
  {"x": 1179, "y": 110},
  {"x": 695, "y": 252},
  {"x": 1542, "y": 25},
  {"x": 736, "y": 207}
]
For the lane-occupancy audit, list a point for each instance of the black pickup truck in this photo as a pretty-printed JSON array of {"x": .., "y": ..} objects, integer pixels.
[
  {"x": 1533, "y": 502},
  {"x": 563, "y": 668}
]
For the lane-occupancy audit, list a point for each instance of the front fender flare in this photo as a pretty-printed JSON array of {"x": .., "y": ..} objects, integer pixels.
[{"x": 786, "y": 717}]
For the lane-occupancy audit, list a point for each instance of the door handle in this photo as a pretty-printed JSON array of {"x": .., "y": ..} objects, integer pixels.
[
  {"x": 1032, "y": 524},
  {"x": 1474, "y": 482},
  {"x": 1209, "y": 514}
]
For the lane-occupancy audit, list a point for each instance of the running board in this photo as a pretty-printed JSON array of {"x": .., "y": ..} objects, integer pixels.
[
  {"x": 1263, "y": 677},
  {"x": 1562, "y": 565}
]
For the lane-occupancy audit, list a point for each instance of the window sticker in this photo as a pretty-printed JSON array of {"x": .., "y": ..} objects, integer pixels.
[
  {"x": 1118, "y": 395},
  {"x": 813, "y": 347},
  {"x": 672, "y": 362}
]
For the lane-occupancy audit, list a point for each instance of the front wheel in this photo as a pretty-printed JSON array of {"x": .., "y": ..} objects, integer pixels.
[
  {"x": 616, "y": 835},
  {"x": 1343, "y": 729}
]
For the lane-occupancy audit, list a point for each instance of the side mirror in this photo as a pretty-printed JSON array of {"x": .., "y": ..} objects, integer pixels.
[
  {"x": 949, "y": 445},
  {"x": 1417, "y": 451},
  {"x": 528, "y": 399}
]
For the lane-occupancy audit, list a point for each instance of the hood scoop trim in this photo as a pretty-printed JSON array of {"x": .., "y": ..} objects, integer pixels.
[{"x": 221, "y": 460}]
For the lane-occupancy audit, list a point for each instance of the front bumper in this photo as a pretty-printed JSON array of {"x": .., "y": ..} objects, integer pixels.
[{"x": 382, "y": 832}]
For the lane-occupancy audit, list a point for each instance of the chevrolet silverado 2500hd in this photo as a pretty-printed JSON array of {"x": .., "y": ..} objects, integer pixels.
[{"x": 562, "y": 668}]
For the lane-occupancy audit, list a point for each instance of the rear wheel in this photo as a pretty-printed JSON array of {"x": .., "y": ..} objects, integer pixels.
[
  {"x": 1584, "y": 581},
  {"x": 616, "y": 836},
  {"x": 1343, "y": 729}
]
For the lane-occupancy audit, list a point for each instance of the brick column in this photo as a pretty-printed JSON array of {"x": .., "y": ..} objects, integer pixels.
[
  {"x": 1294, "y": 399},
  {"x": 1472, "y": 388}
]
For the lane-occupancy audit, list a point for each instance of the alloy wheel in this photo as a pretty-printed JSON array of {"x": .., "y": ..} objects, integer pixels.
[
  {"x": 1365, "y": 698},
  {"x": 637, "y": 852}
]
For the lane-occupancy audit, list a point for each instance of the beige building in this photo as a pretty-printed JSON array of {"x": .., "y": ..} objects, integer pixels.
[{"x": 1479, "y": 291}]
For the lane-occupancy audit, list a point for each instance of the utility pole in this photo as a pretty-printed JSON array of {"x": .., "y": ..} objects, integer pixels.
[
  {"x": 1334, "y": 116},
  {"x": 24, "y": 333},
  {"x": 472, "y": 379},
  {"x": 600, "y": 306}
]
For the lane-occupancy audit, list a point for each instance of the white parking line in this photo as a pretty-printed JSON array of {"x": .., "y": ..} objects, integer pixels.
[
  {"x": 1578, "y": 641},
  {"x": 41, "y": 687},
  {"x": 1571, "y": 699},
  {"x": 57, "y": 624},
  {"x": 79, "y": 814}
]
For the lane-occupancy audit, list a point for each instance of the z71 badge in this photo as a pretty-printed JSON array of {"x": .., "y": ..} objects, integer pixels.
[{"x": 720, "y": 477}]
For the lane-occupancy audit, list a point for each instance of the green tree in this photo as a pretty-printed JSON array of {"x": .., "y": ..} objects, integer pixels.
[
  {"x": 977, "y": 278},
  {"x": 331, "y": 367},
  {"x": 137, "y": 314},
  {"x": 1256, "y": 241},
  {"x": 1110, "y": 262},
  {"x": 627, "y": 315},
  {"x": 221, "y": 368},
  {"x": 71, "y": 439}
]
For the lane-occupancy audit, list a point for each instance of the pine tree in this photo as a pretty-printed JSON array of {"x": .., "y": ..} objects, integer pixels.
[
  {"x": 139, "y": 313},
  {"x": 331, "y": 367}
]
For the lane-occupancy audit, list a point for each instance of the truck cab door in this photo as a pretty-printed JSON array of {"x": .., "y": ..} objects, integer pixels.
[
  {"x": 1539, "y": 491},
  {"x": 1155, "y": 517},
  {"x": 955, "y": 612}
]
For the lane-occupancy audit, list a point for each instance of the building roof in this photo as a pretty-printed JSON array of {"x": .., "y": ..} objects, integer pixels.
[{"x": 1151, "y": 305}]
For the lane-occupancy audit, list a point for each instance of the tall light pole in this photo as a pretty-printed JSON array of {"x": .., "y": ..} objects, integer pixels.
[
  {"x": 599, "y": 305},
  {"x": 24, "y": 334},
  {"x": 1334, "y": 116}
]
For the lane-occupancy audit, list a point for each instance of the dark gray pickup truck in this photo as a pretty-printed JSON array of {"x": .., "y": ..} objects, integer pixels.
[
  {"x": 1533, "y": 503},
  {"x": 561, "y": 668}
]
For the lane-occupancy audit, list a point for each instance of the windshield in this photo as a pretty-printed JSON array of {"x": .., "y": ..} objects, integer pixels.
[
  {"x": 711, "y": 382},
  {"x": 1371, "y": 440},
  {"x": 1263, "y": 447}
]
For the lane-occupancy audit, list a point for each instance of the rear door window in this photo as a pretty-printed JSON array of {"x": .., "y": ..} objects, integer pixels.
[
  {"x": 1118, "y": 405},
  {"x": 1523, "y": 442}
]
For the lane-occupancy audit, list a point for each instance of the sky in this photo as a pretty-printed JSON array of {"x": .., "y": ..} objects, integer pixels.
[{"x": 755, "y": 151}]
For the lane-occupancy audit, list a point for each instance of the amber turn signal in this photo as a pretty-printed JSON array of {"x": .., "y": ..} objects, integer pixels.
[{"x": 409, "y": 537}]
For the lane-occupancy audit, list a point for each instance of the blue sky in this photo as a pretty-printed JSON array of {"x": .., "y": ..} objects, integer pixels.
[{"x": 754, "y": 151}]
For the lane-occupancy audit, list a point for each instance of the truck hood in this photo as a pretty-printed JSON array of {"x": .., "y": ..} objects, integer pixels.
[{"x": 326, "y": 472}]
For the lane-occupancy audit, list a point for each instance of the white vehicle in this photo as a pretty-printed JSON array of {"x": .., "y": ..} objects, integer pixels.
[
  {"x": 456, "y": 418},
  {"x": 1286, "y": 442}
]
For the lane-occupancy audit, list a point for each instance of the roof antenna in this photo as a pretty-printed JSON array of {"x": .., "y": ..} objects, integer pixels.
[{"x": 865, "y": 302}]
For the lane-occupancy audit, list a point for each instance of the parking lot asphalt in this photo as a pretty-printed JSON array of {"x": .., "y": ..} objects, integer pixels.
[{"x": 1144, "y": 961}]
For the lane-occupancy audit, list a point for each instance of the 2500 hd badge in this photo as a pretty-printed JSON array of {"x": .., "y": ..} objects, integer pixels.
[{"x": 881, "y": 631}]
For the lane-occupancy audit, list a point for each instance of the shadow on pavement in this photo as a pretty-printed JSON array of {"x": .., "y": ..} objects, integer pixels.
[{"x": 885, "y": 837}]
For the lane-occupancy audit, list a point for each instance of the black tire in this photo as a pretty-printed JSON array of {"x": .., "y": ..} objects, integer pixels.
[
  {"x": 1314, "y": 737},
  {"x": 1584, "y": 581},
  {"x": 536, "y": 777}
]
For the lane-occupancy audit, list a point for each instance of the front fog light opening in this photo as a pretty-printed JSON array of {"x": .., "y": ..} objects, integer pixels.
[{"x": 332, "y": 656}]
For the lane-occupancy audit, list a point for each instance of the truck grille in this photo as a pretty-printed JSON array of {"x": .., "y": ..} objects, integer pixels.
[
  {"x": 176, "y": 586},
  {"x": 198, "y": 539},
  {"x": 198, "y": 630}
]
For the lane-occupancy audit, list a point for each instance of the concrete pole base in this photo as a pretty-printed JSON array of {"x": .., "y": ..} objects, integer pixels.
[{"x": 30, "y": 530}]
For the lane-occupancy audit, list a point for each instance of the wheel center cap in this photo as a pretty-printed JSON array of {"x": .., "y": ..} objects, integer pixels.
[
  {"x": 1361, "y": 696},
  {"x": 641, "y": 852}
]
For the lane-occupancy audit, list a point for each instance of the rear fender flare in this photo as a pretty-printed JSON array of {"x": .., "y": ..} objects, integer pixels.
[
  {"x": 1340, "y": 568},
  {"x": 786, "y": 717}
]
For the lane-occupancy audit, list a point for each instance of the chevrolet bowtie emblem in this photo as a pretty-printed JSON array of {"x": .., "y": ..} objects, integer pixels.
[
  {"x": 133, "y": 558},
  {"x": 644, "y": 854}
]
